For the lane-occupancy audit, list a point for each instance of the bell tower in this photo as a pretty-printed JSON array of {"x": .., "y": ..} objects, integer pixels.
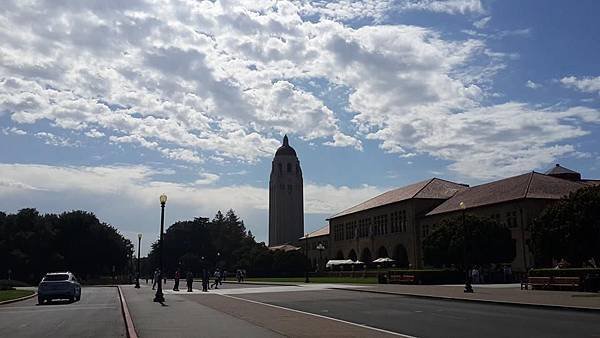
[{"x": 286, "y": 204}]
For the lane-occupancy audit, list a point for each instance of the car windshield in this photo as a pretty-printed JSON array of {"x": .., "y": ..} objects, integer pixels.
[{"x": 54, "y": 278}]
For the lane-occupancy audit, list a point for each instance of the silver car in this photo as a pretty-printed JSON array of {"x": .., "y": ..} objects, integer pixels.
[{"x": 59, "y": 285}]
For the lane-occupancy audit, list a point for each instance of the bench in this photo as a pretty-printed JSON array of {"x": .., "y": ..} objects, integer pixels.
[
  {"x": 566, "y": 282},
  {"x": 548, "y": 282},
  {"x": 534, "y": 282},
  {"x": 401, "y": 279}
]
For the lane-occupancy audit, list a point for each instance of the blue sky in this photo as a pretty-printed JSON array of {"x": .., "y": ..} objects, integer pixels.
[{"x": 105, "y": 105}]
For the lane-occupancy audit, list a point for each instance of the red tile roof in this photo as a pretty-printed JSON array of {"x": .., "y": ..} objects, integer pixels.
[
  {"x": 434, "y": 188},
  {"x": 530, "y": 185},
  {"x": 321, "y": 232}
]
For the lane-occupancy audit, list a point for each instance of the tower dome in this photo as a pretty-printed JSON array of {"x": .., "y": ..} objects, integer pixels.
[{"x": 285, "y": 148}]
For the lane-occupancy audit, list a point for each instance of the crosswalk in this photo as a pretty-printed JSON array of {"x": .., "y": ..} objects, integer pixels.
[{"x": 260, "y": 289}]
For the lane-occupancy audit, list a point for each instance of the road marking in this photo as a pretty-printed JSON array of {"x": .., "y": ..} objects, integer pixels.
[
  {"x": 321, "y": 316},
  {"x": 262, "y": 289}
]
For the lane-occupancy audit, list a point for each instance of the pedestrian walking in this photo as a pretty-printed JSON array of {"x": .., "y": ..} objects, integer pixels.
[
  {"x": 217, "y": 279},
  {"x": 176, "y": 286},
  {"x": 189, "y": 279},
  {"x": 238, "y": 275}
]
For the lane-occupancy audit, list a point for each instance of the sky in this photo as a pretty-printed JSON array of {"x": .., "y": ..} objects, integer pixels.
[{"x": 106, "y": 104}]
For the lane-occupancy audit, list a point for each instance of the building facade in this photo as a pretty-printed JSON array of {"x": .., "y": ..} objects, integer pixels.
[
  {"x": 395, "y": 223},
  {"x": 286, "y": 201}
]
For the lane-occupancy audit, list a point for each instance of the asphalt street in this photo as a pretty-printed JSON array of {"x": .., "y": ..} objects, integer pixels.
[
  {"x": 97, "y": 314},
  {"x": 435, "y": 318}
]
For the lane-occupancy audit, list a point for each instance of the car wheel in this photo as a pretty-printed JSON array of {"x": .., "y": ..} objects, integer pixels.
[
  {"x": 77, "y": 298},
  {"x": 40, "y": 300}
]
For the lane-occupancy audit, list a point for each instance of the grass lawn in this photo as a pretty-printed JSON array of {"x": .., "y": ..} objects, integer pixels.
[
  {"x": 13, "y": 294},
  {"x": 343, "y": 280}
]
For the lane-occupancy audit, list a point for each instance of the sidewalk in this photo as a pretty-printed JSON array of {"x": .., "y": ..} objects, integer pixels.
[
  {"x": 501, "y": 294},
  {"x": 182, "y": 317}
]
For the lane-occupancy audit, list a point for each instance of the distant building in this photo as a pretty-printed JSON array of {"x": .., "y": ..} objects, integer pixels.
[
  {"x": 395, "y": 223},
  {"x": 286, "y": 204}
]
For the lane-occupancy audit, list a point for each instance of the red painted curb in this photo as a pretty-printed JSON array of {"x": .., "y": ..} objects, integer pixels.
[
  {"x": 127, "y": 316},
  {"x": 18, "y": 299}
]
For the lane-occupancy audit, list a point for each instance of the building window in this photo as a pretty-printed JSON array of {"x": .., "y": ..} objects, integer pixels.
[
  {"x": 338, "y": 232},
  {"x": 289, "y": 167},
  {"x": 511, "y": 219},
  {"x": 280, "y": 168},
  {"x": 403, "y": 220}
]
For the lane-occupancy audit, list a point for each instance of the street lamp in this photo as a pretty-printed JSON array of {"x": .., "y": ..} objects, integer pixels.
[
  {"x": 320, "y": 247},
  {"x": 137, "y": 278},
  {"x": 468, "y": 287},
  {"x": 307, "y": 260},
  {"x": 159, "y": 297}
]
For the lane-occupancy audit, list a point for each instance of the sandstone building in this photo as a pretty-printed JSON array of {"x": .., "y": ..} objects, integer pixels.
[
  {"x": 395, "y": 223},
  {"x": 286, "y": 204}
]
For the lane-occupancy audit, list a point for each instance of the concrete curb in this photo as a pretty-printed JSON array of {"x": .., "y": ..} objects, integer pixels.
[
  {"x": 484, "y": 301},
  {"x": 263, "y": 283},
  {"x": 18, "y": 299},
  {"x": 131, "y": 333}
]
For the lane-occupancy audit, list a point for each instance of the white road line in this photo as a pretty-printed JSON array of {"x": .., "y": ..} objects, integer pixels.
[{"x": 324, "y": 317}]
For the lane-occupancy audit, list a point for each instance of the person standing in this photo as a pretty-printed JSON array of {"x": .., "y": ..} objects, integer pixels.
[
  {"x": 177, "y": 276},
  {"x": 155, "y": 278},
  {"x": 189, "y": 279},
  {"x": 204, "y": 280}
]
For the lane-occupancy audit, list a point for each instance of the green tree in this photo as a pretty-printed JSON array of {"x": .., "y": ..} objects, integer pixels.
[
  {"x": 487, "y": 242},
  {"x": 569, "y": 229}
]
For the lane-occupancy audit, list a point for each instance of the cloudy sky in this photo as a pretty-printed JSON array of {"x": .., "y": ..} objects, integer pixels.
[{"x": 106, "y": 104}]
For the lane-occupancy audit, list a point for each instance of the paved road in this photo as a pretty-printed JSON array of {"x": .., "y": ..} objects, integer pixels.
[
  {"x": 435, "y": 318},
  {"x": 97, "y": 314}
]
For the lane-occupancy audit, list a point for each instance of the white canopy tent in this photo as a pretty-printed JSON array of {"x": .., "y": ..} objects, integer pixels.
[
  {"x": 336, "y": 262},
  {"x": 383, "y": 260}
]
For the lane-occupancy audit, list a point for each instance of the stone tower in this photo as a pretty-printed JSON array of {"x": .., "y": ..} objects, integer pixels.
[{"x": 286, "y": 205}]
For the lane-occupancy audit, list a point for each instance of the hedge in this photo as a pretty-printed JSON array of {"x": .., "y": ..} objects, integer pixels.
[
  {"x": 574, "y": 272},
  {"x": 433, "y": 276}
]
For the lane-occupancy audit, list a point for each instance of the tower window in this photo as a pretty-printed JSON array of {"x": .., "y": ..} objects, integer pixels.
[
  {"x": 289, "y": 167},
  {"x": 280, "y": 168}
]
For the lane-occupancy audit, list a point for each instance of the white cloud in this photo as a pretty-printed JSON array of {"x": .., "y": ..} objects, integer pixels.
[
  {"x": 14, "y": 131},
  {"x": 445, "y": 6},
  {"x": 207, "y": 178},
  {"x": 127, "y": 196},
  {"x": 55, "y": 140},
  {"x": 482, "y": 23},
  {"x": 195, "y": 80},
  {"x": 585, "y": 84},
  {"x": 532, "y": 85}
]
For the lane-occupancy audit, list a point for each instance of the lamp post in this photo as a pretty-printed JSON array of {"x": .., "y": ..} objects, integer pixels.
[
  {"x": 468, "y": 287},
  {"x": 137, "y": 278},
  {"x": 320, "y": 247},
  {"x": 159, "y": 297},
  {"x": 307, "y": 259}
]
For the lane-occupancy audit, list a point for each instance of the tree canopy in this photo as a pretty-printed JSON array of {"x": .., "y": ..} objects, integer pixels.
[
  {"x": 221, "y": 242},
  {"x": 569, "y": 229},
  {"x": 32, "y": 244},
  {"x": 487, "y": 242}
]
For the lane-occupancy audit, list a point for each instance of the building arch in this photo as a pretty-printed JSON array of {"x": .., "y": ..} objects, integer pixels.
[
  {"x": 352, "y": 255},
  {"x": 382, "y": 252},
  {"x": 400, "y": 256},
  {"x": 366, "y": 256}
]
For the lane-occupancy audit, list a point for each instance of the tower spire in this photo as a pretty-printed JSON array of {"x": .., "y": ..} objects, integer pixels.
[{"x": 285, "y": 140}]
